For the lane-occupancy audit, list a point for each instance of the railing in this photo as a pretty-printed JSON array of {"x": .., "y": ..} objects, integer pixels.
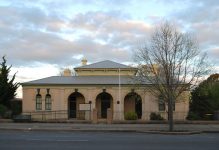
[
  {"x": 88, "y": 115},
  {"x": 146, "y": 115},
  {"x": 58, "y": 115}
]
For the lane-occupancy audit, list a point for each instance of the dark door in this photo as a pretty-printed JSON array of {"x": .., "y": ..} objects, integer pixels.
[
  {"x": 72, "y": 107},
  {"x": 105, "y": 104}
]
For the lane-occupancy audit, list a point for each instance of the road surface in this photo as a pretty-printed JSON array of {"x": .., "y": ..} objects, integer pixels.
[{"x": 46, "y": 140}]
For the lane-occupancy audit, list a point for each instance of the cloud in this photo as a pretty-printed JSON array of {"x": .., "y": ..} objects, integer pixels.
[
  {"x": 38, "y": 36},
  {"x": 111, "y": 30},
  {"x": 199, "y": 18},
  {"x": 214, "y": 55},
  {"x": 40, "y": 33}
]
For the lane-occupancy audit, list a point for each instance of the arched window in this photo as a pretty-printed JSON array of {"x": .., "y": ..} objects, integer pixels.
[
  {"x": 161, "y": 104},
  {"x": 38, "y": 102},
  {"x": 48, "y": 102}
]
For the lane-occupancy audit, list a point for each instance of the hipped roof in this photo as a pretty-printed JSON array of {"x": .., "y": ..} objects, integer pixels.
[
  {"x": 107, "y": 64},
  {"x": 83, "y": 80}
]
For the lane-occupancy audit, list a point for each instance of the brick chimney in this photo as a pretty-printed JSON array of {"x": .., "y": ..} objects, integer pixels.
[
  {"x": 84, "y": 62},
  {"x": 67, "y": 72}
]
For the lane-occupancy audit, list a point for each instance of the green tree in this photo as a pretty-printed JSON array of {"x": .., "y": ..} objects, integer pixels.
[
  {"x": 205, "y": 98},
  {"x": 7, "y": 86}
]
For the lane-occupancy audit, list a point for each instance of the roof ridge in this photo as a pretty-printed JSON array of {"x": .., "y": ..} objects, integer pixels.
[{"x": 105, "y": 65}]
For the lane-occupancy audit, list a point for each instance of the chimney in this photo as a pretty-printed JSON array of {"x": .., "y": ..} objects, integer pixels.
[
  {"x": 67, "y": 72},
  {"x": 84, "y": 62}
]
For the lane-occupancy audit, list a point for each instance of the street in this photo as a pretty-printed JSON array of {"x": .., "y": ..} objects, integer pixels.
[{"x": 55, "y": 140}]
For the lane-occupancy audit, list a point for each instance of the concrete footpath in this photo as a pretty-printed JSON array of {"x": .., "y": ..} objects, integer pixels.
[{"x": 147, "y": 128}]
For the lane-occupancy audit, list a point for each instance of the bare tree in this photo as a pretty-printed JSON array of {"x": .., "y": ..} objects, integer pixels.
[{"x": 171, "y": 62}]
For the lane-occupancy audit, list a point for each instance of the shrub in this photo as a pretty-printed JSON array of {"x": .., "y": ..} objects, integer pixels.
[
  {"x": 131, "y": 116},
  {"x": 193, "y": 116},
  {"x": 3, "y": 110},
  {"x": 8, "y": 114},
  {"x": 155, "y": 116}
]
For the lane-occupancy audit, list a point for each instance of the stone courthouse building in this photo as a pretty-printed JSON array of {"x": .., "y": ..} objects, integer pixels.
[{"x": 97, "y": 92}]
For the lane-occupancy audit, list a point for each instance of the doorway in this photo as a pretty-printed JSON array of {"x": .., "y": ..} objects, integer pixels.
[
  {"x": 74, "y": 100},
  {"x": 103, "y": 102}
]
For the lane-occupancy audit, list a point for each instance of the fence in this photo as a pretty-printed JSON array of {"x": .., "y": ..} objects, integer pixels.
[
  {"x": 58, "y": 115},
  {"x": 147, "y": 115},
  {"x": 87, "y": 115}
]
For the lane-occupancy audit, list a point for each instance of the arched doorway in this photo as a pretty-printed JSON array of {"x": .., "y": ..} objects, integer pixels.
[
  {"x": 103, "y": 101},
  {"x": 133, "y": 103},
  {"x": 74, "y": 100}
]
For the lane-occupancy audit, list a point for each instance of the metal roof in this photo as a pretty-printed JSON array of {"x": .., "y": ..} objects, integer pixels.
[
  {"x": 83, "y": 80},
  {"x": 105, "y": 64}
]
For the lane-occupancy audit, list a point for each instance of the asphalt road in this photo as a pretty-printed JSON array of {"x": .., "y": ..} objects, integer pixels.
[{"x": 44, "y": 140}]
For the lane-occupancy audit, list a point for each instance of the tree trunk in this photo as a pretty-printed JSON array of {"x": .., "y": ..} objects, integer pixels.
[{"x": 170, "y": 114}]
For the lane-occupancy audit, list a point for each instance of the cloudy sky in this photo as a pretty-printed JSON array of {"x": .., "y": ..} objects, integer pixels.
[{"x": 40, "y": 37}]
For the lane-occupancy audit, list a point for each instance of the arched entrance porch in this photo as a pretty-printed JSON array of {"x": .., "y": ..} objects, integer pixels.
[
  {"x": 74, "y": 100},
  {"x": 103, "y": 101},
  {"x": 133, "y": 103}
]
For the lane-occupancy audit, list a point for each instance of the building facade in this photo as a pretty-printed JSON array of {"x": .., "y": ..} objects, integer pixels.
[{"x": 97, "y": 90}]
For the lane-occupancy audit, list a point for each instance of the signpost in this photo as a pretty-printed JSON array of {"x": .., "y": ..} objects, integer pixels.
[{"x": 85, "y": 107}]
